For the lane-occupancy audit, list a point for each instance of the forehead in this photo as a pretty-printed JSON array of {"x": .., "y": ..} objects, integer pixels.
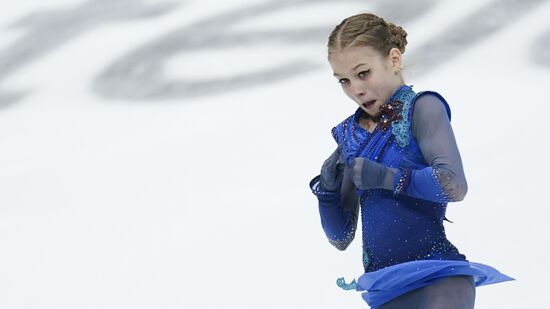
[{"x": 346, "y": 59}]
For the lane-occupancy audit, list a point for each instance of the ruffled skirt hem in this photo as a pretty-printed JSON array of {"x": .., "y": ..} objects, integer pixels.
[{"x": 385, "y": 284}]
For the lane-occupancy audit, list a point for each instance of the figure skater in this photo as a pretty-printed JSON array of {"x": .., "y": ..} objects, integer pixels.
[{"x": 398, "y": 162}]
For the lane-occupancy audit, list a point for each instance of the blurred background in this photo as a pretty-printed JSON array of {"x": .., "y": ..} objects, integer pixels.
[{"x": 158, "y": 154}]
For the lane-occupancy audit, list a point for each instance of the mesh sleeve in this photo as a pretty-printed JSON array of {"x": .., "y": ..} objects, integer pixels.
[{"x": 443, "y": 180}]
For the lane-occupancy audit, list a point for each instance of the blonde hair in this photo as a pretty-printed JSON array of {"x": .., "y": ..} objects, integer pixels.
[{"x": 367, "y": 29}]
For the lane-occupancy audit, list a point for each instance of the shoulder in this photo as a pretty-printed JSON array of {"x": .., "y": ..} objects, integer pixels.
[
  {"x": 432, "y": 103},
  {"x": 340, "y": 129}
]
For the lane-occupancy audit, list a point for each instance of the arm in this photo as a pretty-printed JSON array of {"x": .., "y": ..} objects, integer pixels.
[
  {"x": 442, "y": 180},
  {"x": 338, "y": 205}
]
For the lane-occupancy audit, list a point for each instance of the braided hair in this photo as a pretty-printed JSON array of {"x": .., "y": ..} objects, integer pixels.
[{"x": 367, "y": 29}]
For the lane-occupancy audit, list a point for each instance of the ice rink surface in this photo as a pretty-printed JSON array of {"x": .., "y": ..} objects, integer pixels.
[{"x": 158, "y": 154}]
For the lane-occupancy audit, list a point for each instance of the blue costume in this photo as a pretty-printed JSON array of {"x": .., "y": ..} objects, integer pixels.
[{"x": 411, "y": 170}]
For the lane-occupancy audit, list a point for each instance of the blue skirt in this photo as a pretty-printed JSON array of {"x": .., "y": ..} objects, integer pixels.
[{"x": 385, "y": 284}]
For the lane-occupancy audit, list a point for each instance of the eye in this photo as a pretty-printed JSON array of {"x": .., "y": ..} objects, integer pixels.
[
  {"x": 363, "y": 74},
  {"x": 343, "y": 81}
]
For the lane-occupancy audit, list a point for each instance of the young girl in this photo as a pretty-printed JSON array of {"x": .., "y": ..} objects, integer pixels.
[{"x": 398, "y": 160}]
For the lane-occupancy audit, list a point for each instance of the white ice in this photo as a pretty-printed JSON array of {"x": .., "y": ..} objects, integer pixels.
[{"x": 203, "y": 202}]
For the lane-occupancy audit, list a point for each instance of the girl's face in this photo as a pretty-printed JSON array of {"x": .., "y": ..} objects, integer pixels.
[{"x": 366, "y": 76}]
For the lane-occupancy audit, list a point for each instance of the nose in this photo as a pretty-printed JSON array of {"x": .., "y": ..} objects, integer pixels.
[{"x": 358, "y": 90}]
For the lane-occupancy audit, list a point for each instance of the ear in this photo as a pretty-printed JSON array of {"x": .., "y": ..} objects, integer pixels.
[{"x": 395, "y": 58}]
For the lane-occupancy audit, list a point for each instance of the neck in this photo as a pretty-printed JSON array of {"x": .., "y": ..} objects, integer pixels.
[{"x": 372, "y": 118}]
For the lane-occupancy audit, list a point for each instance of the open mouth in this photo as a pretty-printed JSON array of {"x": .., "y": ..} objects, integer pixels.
[{"x": 368, "y": 104}]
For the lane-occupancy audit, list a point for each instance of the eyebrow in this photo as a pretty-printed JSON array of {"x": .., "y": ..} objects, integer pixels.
[{"x": 360, "y": 64}]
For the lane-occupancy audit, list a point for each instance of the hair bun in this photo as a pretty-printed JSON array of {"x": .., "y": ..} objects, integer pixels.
[{"x": 398, "y": 37}]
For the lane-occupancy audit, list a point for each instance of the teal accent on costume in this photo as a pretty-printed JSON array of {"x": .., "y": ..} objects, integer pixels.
[
  {"x": 366, "y": 260},
  {"x": 346, "y": 286},
  {"x": 400, "y": 128}
]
